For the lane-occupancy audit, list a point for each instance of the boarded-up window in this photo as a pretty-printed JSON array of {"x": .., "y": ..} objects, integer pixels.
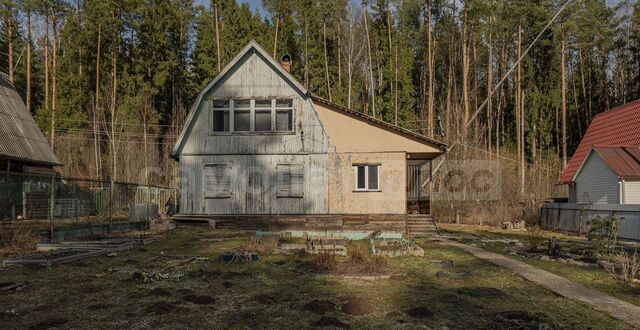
[
  {"x": 290, "y": 180},
  {"x": 217, "y": 180}
]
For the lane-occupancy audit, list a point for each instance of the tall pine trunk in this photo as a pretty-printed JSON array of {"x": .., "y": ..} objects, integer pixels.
[{"x": 29, "y": 59}]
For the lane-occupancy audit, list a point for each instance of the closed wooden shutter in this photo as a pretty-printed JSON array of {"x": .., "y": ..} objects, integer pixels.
[
  {"x": 290, "y": 180},
  {"x": 217, "y": 180}
]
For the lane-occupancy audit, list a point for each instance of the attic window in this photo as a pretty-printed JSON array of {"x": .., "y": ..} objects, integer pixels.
[{"x": 252, "y": 115}]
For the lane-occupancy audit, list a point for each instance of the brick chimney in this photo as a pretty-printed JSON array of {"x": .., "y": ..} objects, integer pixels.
[{"x": 285, "y": 61}]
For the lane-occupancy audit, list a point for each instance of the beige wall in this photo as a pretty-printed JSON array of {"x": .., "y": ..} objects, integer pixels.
[
  {"x": 390, "y": 200},
  {"x": 350, "y": 134}
]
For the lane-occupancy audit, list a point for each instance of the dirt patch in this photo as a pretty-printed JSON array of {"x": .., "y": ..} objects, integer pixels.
[
  {"x": 357, "y": 306},
  {"x": 161, "y": 307},
  {"x": 419, "y": 312},
  {"x": 482, "y": 292},
  {"x": 227, "y": 284},
  {"x": 200, "y": 300},
  {"x": 185, "y": 291},
  {"x": 523, "y": 320},
  {"x": 50, "y": 323},
  {"x": 96, "y": 307},
  {"x": 160, "y": 292},
  {"x": 264, "y": 299},
  {"x": 319, "y": 306},
  {"x": 327, "y": 321}
]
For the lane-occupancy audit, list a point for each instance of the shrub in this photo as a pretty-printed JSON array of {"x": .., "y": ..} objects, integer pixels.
[
  {"x": 375, "y": 264},
  {"x": 535, "y": 237},
  {"x": 603, "y": 231},
  {"x": 622, "y": 265},
  {"x": 324, "y": 262},
  {"x": 357, "y": 254}
]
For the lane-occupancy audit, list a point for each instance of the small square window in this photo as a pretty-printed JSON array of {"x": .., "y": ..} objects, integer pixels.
[
  {"x": 284, "y": 120},
  {"x": 284, "y": 103},
  {"x": 242, "y": 104},
  {"x": 242, "y": 121},
  {"x": 221, "y": 104},
  {"x": 221, "y": 121},
  {"x": 367, "y": 177},
  {"x": 263, "y": 120},
  {"x": 263, "y": 104}
]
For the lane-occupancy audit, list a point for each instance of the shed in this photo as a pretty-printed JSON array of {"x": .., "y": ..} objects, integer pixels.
[{"x": 609, "y": 175}]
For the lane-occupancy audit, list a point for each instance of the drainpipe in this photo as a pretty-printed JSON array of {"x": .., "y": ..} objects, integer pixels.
[{"x": 622, "y": 192}]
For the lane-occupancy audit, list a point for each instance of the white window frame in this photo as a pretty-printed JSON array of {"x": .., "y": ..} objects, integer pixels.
[
  {"x": 366, "y": 178},
  {"x": 252, "y": 115}
]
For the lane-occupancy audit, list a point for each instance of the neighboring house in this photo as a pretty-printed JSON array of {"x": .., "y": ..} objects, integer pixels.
[
  {"x": 25, "y": 153},
  {"x": 606, "y": 158},
  {"x": 609, "y": 175},
  {"x": 256, "y": 142}
]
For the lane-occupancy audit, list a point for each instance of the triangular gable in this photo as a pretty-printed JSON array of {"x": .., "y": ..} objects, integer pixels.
[{"x": 252, "y": 46}]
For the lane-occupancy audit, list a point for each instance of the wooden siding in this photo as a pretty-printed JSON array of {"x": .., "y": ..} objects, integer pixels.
[
  {"x": 253, "y": 77},
  {"x": 596, "y": 182},
  {"x": 391, "y": 199},
  {"x": 253, "y": 185},
  {"x": 632, "y": 192}
]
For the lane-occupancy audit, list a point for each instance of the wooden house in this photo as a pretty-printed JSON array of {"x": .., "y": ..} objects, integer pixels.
[
  {"x": 256, "y": 142},
  {"x": 605, "y": 169},
  {"x": 25, "y": 154}
]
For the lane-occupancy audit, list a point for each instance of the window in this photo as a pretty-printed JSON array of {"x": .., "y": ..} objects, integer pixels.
[
  {"x": 217, "y": 180},
  {"x": 290, "y": 180},
  {"x": 221, "y": 116},
  {"x": 367, "y": 177},
  {"x": 253, "y": 115}
]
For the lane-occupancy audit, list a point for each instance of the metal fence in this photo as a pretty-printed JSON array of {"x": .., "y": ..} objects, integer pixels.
[
  {"x": 574, "y": 217},
  {"x": 30, "y": 197}
]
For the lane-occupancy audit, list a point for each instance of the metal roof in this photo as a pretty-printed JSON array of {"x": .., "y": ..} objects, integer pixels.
[
  {"x": 619, "y": 127},
  {"x": 20, "y": 136},
  {"x": 623, "y": 161}
]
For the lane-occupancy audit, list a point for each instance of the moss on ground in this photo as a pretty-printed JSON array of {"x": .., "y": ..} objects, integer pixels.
[{"x": 278, "y": 291}]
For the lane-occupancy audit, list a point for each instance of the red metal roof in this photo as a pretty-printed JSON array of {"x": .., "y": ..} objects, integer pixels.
[
  {"x": 618, "y": 127},
  {"x": 623, "y": 161}
]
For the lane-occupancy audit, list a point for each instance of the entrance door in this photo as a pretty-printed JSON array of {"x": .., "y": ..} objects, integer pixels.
[{"x": 418, "y": 188}]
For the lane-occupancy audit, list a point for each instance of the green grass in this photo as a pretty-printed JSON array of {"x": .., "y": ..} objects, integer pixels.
[
  {"x": 273, "y": 292},
  {"x": 595, "y": 278}
]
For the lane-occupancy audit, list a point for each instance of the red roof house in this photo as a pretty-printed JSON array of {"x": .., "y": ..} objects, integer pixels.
[{"x": 618, "y": 127}]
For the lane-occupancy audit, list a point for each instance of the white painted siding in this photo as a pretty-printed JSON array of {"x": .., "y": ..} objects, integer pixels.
[
  {"x": 597, "y": 183},
  {"x": 632, "y": 192}
]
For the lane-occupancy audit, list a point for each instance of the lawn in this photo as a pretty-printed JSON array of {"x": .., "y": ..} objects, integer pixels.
[
  {"x": 495, "y": 240},
  {"x": 178, "y": 282}
]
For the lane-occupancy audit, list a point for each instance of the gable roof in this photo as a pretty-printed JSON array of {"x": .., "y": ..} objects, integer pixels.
[
  {"x": 20, "y": 136},
  {"x": 623, "y": 161},
  {"x": 377, "y": 122},
  {"x": 613, "y": 128},
  {"x": 252, "y": 46}
]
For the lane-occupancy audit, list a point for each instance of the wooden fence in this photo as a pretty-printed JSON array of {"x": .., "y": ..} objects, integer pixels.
[{"x": 574, "y": 217}]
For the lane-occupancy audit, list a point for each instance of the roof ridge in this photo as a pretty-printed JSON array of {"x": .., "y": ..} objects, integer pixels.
[{"x": 614, "y": 109}]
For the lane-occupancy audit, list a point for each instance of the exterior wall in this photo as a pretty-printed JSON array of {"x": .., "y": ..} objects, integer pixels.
[
  {"x": 632, "y": 192},
  {"x": 596, "y": 182},
  {"x": 349, "y": 134},
  {"x": 254, "y": 185},
  {"x": 254, "y": 156},
  {"x": 251, "y": 77},
  {"x": 343, "y": 199}
]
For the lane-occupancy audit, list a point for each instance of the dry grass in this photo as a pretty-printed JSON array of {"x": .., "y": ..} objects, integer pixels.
[
  {"x": 623, "y": 266},
  {"x": 19, "y": 238},
  {"x": 325, "y": 262},
  {"x": 535, "y": 236},
  {"x": 358, "y": 254}
]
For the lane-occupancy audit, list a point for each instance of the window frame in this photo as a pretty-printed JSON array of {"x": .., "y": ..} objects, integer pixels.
[
  {"x": 273, "y": 109},
  {"x": 366, "y": 177},
  {"x": 302, "y": 184}
]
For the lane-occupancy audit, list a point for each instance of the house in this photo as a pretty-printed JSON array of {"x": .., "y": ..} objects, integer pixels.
[
  {"x": 605, "y": 167},
  {"x": 25, "y": 153},
  {"x": 609, "y": 175},
  {"x": 256, "y": 142}
]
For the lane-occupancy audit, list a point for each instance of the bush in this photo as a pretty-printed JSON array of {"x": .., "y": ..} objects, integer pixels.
[
  {"x": 535, "y": 237},
  {"x": 603, "y": 231},
  {"x": 325, "y": 262},
  {"x": 358, "y": 254},
  {"x": 375, "y": 264},
  {"x": 622, "y": 265}
]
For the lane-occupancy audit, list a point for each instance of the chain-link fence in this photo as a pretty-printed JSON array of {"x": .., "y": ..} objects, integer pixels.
[{"x": 31, "y": 197}]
